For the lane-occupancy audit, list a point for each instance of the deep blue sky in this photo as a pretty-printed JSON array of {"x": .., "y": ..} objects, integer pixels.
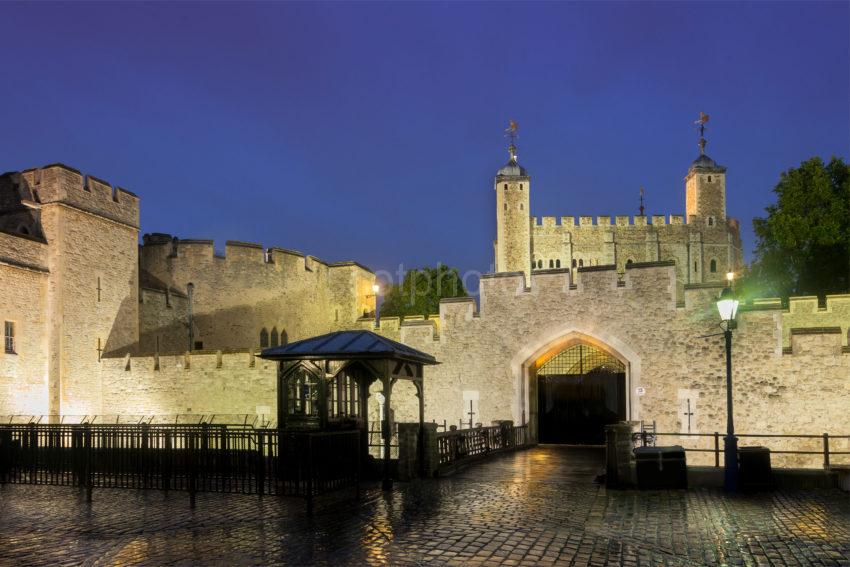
[{"x": 372, "y": 131}]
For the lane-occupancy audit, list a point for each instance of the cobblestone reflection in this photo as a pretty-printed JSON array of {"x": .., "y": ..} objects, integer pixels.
[{"x": 536, "y": 507}]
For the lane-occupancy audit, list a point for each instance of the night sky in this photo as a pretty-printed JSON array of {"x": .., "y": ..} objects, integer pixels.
[{"x": 372, "y": 131}]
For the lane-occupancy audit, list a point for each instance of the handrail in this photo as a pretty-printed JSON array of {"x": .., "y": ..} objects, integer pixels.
[{"x": 826, "y": 451}]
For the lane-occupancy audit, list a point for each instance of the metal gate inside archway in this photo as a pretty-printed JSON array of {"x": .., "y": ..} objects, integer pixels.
[{"x": 580, "y": 391}]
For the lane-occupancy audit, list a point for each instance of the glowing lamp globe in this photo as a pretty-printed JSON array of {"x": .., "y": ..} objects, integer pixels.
[
  {"x": 727, "y": 305},
  {"x": 376, "y": 288}
]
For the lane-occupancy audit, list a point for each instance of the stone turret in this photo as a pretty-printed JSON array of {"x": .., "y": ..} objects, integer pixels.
[
  {"x": 513, "y": 220},
  {"x": 705, "y": 188}
]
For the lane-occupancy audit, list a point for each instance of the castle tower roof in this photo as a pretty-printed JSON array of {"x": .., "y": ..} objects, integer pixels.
[
  {"x": 703, "y": 162},
  {"x": 512, "y": 168}
]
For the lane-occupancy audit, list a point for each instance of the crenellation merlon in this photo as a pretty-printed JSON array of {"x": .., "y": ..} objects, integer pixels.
[
  {"x": 59, "y": 183},
  {"x": 238, "y": 251}
]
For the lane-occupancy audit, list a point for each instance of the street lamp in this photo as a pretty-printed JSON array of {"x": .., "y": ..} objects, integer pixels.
[
  {"x": 727, "y": 307},
  {"x": 376, "y": 289}
]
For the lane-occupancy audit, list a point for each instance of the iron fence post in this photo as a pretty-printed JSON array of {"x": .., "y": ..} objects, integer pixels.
[
  {"x": 717, "y": 449},
  {"x": 88, "y": 470},
  {"x": 166, "y": 462},
  {"x": 826, "y": 450},
  {"x": 190, "y": 458},
  {"x": 145, "y": 452},
  {"x": 32, "y": 451},
  {"x": 261, "y": 477},
  {"x": 204, "y": 450}
]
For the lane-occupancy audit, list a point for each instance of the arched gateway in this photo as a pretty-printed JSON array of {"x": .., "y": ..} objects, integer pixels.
[{"x": 576, "y": 384}]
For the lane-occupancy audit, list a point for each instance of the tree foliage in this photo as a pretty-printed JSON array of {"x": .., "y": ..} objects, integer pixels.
[
  {"x": 803, "y": 245},
  {"x": 421, "y": 291}
]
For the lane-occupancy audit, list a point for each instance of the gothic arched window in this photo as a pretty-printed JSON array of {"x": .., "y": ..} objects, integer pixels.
[
  {"x": 557, "y": 263},
  {"x": 551, "y": 263},
  {"x": 264, "y": 338},
  {"x": 520, "y": 186},
  {"x": 539, "y": 264},
  {"x": 574, "y": 262},
  {"x": 710, "y": 221},
  {"x": 581, "y": 263},
  {"x": 713, "y": 266},
  {"x": 629, "y": 262},
  {"x": 274, "y": 336},
  {"x": 506, "y": 186}
]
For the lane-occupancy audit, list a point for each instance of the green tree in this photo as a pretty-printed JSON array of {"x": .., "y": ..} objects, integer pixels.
[
  {"x": 803, "y": 245},
  {"x": 421, "y": 291}
]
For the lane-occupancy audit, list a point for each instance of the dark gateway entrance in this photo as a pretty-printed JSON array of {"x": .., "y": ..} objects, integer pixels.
[{"x": 580, "y": 391}]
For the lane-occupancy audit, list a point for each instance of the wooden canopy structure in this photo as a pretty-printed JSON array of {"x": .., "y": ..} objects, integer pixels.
[{"x": 323, "y": 382}]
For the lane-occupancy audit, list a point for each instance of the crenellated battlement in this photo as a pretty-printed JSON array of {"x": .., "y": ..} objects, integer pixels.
[
  {"x": 158, "y": 247},
  {"x": 59, "y": 183},
  {"x": 605, "y": 221},
  {"x": 804, "y": 313}
]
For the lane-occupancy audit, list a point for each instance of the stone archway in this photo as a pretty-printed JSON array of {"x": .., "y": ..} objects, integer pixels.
[{"x": 548, "y": 345}]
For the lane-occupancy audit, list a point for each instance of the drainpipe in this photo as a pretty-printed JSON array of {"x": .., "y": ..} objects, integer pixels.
[{"x": 191, "y": 290}]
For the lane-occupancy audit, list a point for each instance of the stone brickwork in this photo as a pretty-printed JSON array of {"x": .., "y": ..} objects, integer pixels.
[
  {"x": 217, "y": 382},
  {"x": 248, "y": 288},
  {"x": 23, "y": 374},
  {"x": 704, "y": 243},
  {"x": 661, "y": 338},
  {"x": 163, "y": 321},
  {"x": 84, "y": 302}
]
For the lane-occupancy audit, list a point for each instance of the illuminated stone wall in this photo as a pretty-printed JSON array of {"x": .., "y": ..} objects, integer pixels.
[
  {"x": 91, "y": 232},
  {"x": 72, "y": 284},
  {"x": 226, "y": 382},
  {"x": 599, "y": 242},
  {"x": 513, "y": 224},
  {"x": 660, "y": 336},
  {"x": 247, "y": 288},
  {"x": 23, "y": 301}
]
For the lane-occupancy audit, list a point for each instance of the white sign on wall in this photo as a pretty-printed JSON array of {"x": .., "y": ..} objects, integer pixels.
[{"x": 640, "y": 391}]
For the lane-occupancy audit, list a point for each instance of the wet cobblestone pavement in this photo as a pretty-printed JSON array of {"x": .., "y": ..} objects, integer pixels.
[{"x": 537, "y": 507}]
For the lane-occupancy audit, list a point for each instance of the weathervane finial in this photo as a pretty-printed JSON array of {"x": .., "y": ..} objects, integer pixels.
[
  {"x": 641, "y": 200},
  {"x": 703, "y": 118},
  {"x": 511, "y": 132}
]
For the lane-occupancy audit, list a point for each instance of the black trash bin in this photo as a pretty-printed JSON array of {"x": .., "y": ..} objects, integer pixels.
[
  {"x": 755, "y": 470},
  {"x": 661, "y": 467}
]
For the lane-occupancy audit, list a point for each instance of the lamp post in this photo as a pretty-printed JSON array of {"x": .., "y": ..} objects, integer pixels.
[
  {"x": 376, "y": 289},
  {"x": 727, "y": 307}
]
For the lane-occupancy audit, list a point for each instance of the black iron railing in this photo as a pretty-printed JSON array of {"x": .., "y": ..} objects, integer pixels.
[
  {"x": 819, "y": 444},
  {"x": 463, "y": 444},
  {"x": 194, "y": 458}
]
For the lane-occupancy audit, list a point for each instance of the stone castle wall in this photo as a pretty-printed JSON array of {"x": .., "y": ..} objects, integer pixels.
[
  {"x": 208, "y": 382},
  {"x": 661, "y": 338},
  {"x": 88, "y": 233},
  {"x": 562, "y": 242},
  {"x": 163, "y": 321},
  {"x": 248, "y": 289},
  {"x": 70, "y": 262},
  {"x": 23, "y": 301}
]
